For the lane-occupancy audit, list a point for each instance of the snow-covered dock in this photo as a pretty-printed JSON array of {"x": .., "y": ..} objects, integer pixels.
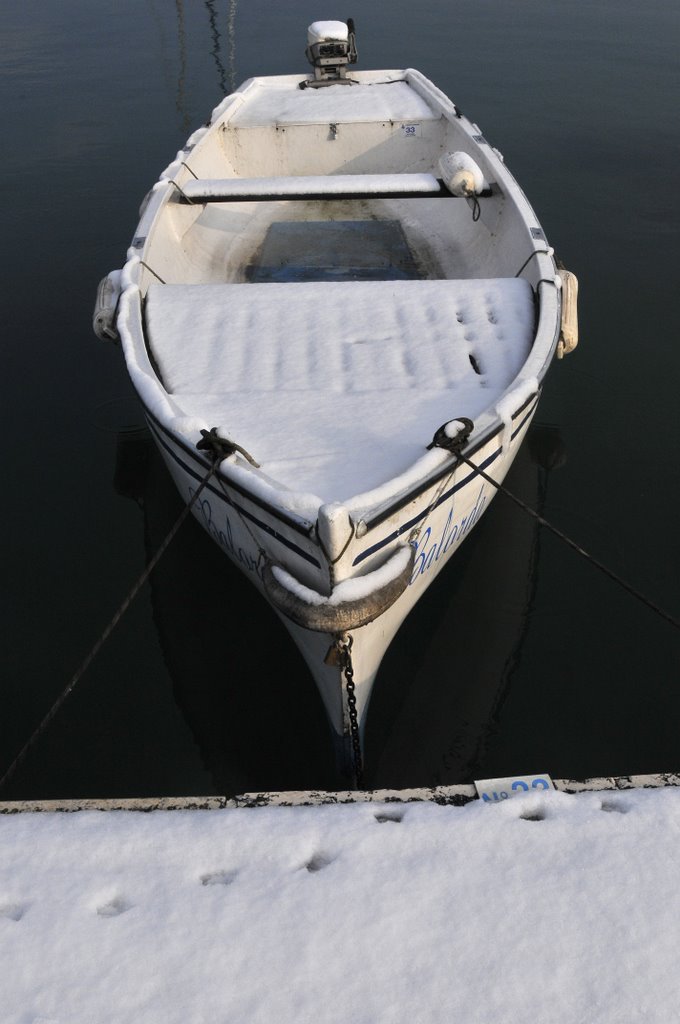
[{"x": 555, "y": 907}]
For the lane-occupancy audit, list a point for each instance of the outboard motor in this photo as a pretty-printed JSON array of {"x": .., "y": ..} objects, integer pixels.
[{"x": 331, "y": 46}]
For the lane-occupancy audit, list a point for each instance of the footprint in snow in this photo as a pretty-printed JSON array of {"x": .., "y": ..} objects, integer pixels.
[
  {"x": 537, "y": 814},
  {"x": 383, "y": 816},
  {"x": 114, "y": 908},
  {"x": 13, "y": 911},
  {"x": 318, "y": 862},
  {"x": 218, "y": 878},
  {"x": 613, "y": 806}
]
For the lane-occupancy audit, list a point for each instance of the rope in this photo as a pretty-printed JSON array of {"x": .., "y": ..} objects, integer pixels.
[
  {"x": 476, "y": 208},
  {"x": 68, "y": 690},
  {"x": 152, "y": 271},
  {"x": 536, "y": 252},
  {"x": 221, "y": 448},
  {"x": 452, "y": 444},
  {"x": 171, "y": 181},
  {"x": 184, "y": 164},
  {"x": 572, "y": 544}
]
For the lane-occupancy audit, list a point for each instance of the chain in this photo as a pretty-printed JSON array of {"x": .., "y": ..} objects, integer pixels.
[{"x": 342, "y": 649}]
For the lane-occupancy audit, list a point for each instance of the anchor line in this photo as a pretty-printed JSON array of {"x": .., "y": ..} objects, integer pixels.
[
  {"x": 106, "y": 633},
  {"x": 341, "y": 654},
  {"x": 572, "y": 544}
]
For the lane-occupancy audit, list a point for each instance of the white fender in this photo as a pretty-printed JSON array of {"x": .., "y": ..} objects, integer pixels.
[
  {"x": 106, "y": 305},
  {"x": 461, "y": 174},
  {"x": 569, "y": 324}
]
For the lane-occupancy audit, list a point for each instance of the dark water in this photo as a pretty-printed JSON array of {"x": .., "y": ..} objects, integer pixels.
[{"x": 522, "y": 657}]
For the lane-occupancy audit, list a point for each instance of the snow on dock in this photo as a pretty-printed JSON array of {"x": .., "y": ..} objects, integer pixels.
[{"x": 551, "y": 907}]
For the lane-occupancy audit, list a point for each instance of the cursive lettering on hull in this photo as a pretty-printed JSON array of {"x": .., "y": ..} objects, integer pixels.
[{"x": 433, "y": 546}]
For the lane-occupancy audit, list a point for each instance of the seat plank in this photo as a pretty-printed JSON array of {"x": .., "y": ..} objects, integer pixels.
[{"x": 315, "y": 186}]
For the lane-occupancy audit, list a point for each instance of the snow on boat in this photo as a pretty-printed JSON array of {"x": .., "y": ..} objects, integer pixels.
[{"x": 329, "y": 271}]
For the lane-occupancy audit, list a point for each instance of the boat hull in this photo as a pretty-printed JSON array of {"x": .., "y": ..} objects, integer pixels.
[
  {"x": 434, "y": 524},
  {"x": 317, "y": 281}
]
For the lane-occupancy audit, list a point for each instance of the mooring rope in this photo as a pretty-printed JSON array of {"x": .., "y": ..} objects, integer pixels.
[
  {"x": 220, "y": 448},
  {"x": 454, "y": 443},
  {"x": 127, "y": 601},
  {"x": 633, "y": 591}
]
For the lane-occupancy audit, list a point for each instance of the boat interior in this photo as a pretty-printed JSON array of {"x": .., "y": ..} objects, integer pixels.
[{"x": 323, "y": 301}]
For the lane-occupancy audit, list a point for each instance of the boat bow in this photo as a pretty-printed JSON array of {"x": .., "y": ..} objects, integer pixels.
[{"x": 351, "y": 604}]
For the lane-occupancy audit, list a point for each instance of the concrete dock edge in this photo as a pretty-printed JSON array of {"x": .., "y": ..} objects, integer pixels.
[{"x": 443, "y": 795}]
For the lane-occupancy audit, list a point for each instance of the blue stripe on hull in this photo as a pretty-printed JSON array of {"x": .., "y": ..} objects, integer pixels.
[
  {"x": 444, "y": 497},
  {"x": 158, "y": 430},
  {"x": 269, "y": 530}
]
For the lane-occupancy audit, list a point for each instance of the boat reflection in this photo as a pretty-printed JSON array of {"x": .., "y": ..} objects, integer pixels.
[
  {"x": 444, "y": 679},
  {"x": 237, "y": 678},
  {"x": 246, "y": 694}
]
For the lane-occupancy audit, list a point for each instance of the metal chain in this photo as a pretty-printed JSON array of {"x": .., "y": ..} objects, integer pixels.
[{"x": 343, "y": 647}]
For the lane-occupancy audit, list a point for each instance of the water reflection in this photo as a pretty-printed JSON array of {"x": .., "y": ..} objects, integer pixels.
[
  {"x": 231, "y": 38},
  {"x": 246, "y": 694},
  {"x": 226, "y": 77},
  {"x": 180, "y": 99},
  {"x": 443, "y": 682},
  {"x": 215, "y": 37},
  {"x": 221, "y": 25},
  {"x": 239, "y": 681}
]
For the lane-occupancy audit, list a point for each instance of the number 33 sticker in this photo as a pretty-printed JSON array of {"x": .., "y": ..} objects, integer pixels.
[{"x": 493, "y": 790}]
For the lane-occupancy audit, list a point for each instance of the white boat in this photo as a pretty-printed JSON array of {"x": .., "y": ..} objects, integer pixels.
[{"x": 339, "y": 298}]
